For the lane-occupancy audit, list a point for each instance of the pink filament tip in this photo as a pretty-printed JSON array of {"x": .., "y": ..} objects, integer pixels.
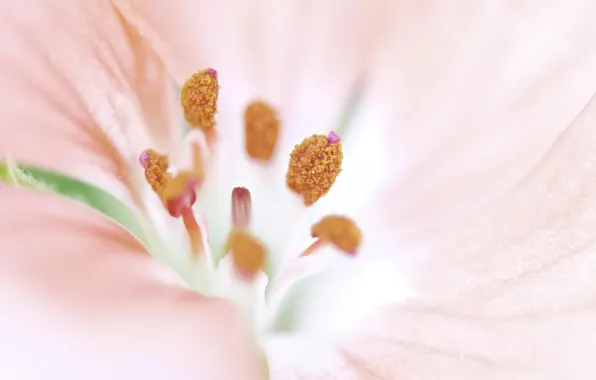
[
  {"x": 241, "y": 207},
  {"x": 185, "y": 200},
  {"x": 212, "y": 72},
  {"x": 143, "y": 158},
  {"x": 332, "y": 138}
]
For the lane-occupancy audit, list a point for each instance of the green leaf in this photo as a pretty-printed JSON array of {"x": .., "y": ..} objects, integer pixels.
[{"x": 92, "y": 196}]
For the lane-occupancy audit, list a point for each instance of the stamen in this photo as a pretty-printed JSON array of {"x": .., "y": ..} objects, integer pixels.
[
  {"x": 340, "y": 231},
  {"x": 241, "y": 207},
  {"x": 193, "y": 230},
  {"x": 180, "y": 193},
  {"x": 248, "y": 254},
  {"x": 314, "y": 165},
  {"x": 199, "y": 99},
  {"x": 315, "y": 246},
  {"x": 261, "y": 127},
  {"x": 156, "y": 166},
  {"x": 197, "y": 160}
]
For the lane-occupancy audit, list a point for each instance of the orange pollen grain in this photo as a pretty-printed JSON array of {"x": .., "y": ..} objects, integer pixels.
[
  {"x": 340, "y": 231},
  {"x": 199, "y": 99},
  {"x": 314, "y": 165},
  {"x": 248, "y": 254},
  {"x": 261, "y": 127},
  {"x": 156, "y": 174}
]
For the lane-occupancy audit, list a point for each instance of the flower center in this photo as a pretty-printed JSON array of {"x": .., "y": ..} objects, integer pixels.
[{"x": 313, "y": 167}]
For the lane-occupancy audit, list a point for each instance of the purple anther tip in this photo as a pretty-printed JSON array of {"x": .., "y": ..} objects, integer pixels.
[
  {"x": 332, "y": 138},
  {"x": 143, "y": 158},
  {"x": 212, "y": 72}
]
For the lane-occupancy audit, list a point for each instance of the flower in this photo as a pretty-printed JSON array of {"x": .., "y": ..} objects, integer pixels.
[{"x": 495, "y": 251}]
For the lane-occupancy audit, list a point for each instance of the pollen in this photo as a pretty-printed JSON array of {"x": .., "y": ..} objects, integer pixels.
[
  {"x": 261, "y": 126},
  {"x": 156, "y": 166},
  {"x": 340, "y": 231},
  {"x": 314, "y": 165},
  {"x": 248, "y": 254},
  {"x": 177, "y": 192},
  {"x": 199, "y": 99}
]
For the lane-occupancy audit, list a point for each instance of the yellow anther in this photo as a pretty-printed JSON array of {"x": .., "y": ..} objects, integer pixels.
[
  {"x": 340, "y": 231},
  {"x": 199, "y": 99},
  {"x": 261, "y": 127},
  {"x": 314, "y": 165},
  {"x": 156, "y": 166},
  {"x": 176, "y": 192},
  {"x": 248, "y": 254}
]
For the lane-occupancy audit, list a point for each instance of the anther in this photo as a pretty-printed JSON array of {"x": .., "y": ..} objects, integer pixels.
[
  {"x": 241, "y": 207},
  {"x": 248, "y": 254},
  {"x": 261, "y": 127},
  {"x": 340, "y": 231},
  {"x": 156, "y": 166},
  {"x": 176, "y": 192},
  {"x": 314, "y": 165},
  {"x": 199, "y": 99}
]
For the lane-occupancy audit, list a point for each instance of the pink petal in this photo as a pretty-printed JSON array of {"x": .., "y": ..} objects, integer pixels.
[
  {"x": 80, "y": 90},
  {"x": 312, "y": 358},
  {"x": 172, "y": 29},
  {"x": 509, "y": 295},
  {"x": 471, "y": 97},
  {"x": 80, "y": 299},
  {"x": 506, "y": 296},
  {"x": 465, "y": 101},
  {"x": 311, "y": 56},
  {"x": 303, "y": 57}
]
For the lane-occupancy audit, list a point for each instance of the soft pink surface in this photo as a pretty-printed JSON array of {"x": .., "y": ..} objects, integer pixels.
[
  {"x": 468, "y": 100},
  {"x": 507, "y": 296},
  {"x": 471, "y": 96},
  {"x": 81, "y": 91},
  {"x": 80, "y": 299}
]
